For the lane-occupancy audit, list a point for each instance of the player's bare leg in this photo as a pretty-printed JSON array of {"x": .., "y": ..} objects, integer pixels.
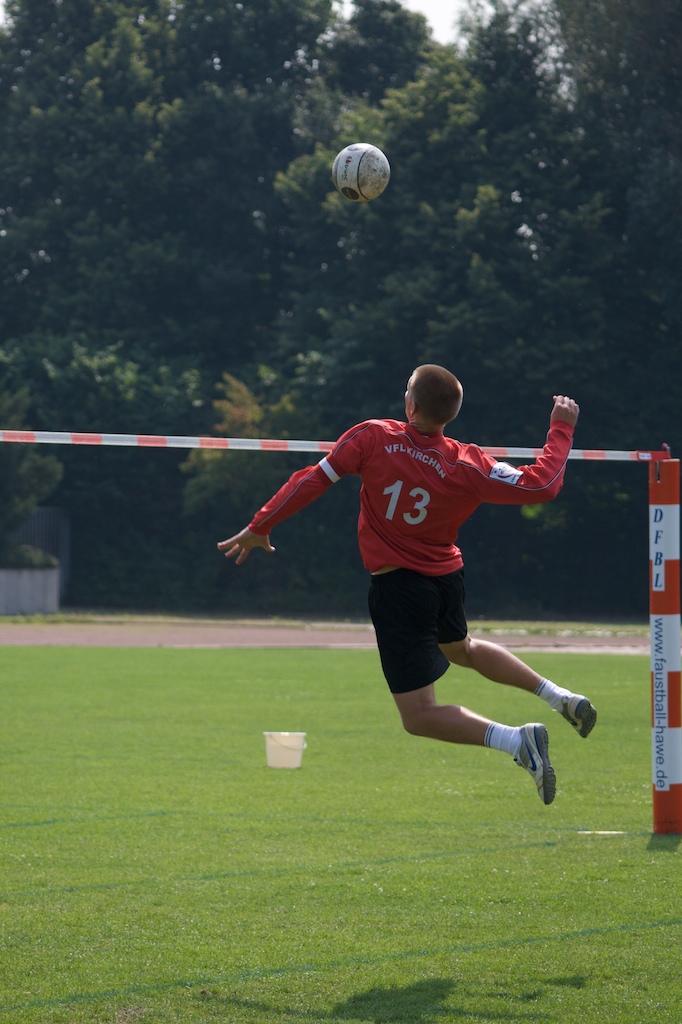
[
  {"x": 423, "y": 716},
  {"x": 528, "y": 745},
  {"x": 492, "y": 661},
  {"x": 501, "y": 666}
]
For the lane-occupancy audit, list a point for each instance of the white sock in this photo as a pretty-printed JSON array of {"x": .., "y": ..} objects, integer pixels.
[
  {"x": 552, "y": 694},
  {"x": 503, "y": 737}
]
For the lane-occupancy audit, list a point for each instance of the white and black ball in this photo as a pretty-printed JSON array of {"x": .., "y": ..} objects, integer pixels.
[{"x": 361, "y": 172}]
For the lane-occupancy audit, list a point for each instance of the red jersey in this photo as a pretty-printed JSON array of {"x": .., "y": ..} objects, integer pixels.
[{"x": 418, "y": 489}]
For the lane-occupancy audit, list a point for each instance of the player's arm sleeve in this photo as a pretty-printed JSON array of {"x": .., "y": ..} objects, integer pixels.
[
  {"x": 501, "y": 484},
  {"x": 302, "y": 488},
  {"x": 306, "y": 485}
]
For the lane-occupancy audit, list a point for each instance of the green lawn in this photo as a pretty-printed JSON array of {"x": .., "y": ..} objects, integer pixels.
[{"x": 154, "y": 869}]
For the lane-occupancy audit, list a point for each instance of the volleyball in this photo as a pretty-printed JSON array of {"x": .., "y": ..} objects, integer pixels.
[{"x": 360, "y": 172}]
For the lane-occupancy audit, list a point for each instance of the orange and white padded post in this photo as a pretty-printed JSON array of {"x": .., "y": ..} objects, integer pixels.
[{"x": 666, "y": 721}]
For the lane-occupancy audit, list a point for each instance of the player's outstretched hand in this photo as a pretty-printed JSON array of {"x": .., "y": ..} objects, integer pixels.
[
  {"x": 565, "y": 409},
  {"x": 243, "y": 543}
]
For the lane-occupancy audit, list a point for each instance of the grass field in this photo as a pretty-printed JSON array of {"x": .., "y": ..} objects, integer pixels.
[{"x": 153, "y": 869}]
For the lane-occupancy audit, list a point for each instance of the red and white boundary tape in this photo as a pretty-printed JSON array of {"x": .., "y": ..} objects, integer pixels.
[{"x": 251, "y": 444}]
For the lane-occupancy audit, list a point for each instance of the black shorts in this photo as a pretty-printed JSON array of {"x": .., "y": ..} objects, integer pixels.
[{"x": 412, "y": 614}]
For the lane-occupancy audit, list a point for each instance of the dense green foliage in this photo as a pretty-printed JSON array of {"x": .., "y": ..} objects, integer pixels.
[
  {"x": 169, "y": 240},
  {"x": 27, "y": 476}
]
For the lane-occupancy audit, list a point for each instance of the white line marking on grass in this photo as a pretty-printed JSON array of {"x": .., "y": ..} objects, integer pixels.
[{"x": 600, "y": 832}]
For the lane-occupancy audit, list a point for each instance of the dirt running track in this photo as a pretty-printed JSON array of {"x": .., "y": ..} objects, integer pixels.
[{"x": 216, "y": 634}]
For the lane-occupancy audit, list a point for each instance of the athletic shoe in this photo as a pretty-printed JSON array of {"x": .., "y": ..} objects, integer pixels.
[
  {"x": 534, "y": 757},
  {"x": 579, "y": 712}
]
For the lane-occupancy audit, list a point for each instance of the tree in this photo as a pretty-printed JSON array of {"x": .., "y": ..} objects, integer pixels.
[
  {"x": 380, "y": 47},
  {"x": 140, "y": 146},
  {"x": 167, "y": 216},
  {"x": 139, "y": 254},
  {"x": 124, "y": 504},
  {"x": 496, "y": 251},
  {"x": 487, "y": 237},
  {"x": 623, "y": 63},
  {"x": 27, "y": 477},
  {"x": 225, "y": 488}
]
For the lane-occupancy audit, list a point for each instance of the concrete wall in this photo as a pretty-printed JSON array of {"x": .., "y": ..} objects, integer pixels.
[{"x": 29, "y": 591}]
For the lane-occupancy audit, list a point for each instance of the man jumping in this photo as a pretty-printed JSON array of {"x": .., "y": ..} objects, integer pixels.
[{"x": 418, "y": 488}]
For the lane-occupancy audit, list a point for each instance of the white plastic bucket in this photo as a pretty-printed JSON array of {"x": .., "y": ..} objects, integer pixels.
[{"x": 284, "y": 749}]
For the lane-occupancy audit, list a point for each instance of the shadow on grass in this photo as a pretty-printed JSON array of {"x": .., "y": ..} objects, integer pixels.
[
  {"x": 424, "y": 1002},
  {"x": 415, "y": 1004},
  {"x": 421, "y": 1003},
  {"x": 664, "y": 844}
]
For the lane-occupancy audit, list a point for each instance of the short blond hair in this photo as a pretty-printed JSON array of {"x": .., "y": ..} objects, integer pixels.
[{"x": 437, "y": 392}]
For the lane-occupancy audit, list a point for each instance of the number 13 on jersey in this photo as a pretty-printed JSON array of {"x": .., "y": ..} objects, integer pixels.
[{"x": 418, "y": 512}]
